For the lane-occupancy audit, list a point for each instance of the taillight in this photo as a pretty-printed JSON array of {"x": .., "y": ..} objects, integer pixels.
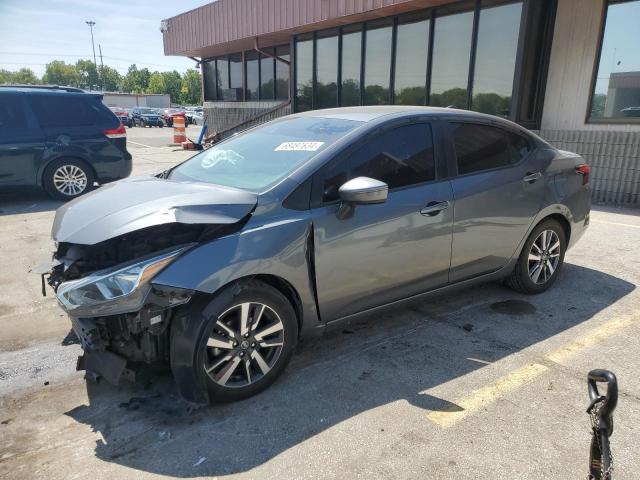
[
  {"x": 584, "y": 171},
  {"x": 119, "y": 132}
]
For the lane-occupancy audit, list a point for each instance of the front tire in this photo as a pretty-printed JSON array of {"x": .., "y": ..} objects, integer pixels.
[
  {"x": 248, "y": 335},
  {"x": 67, "y": 178},
  {"x": 541, "y": 259}
]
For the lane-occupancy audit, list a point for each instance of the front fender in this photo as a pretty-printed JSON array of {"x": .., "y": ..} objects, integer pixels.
[{"x": 280, "y": 248}]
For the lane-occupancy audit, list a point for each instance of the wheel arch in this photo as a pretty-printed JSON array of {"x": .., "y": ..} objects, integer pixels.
[
  {"x": 562, "y": 220},
  {"x": 287, "y": 289}
]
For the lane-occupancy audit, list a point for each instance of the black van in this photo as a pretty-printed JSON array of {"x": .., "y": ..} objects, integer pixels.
[{"x": 59, "y": 138}]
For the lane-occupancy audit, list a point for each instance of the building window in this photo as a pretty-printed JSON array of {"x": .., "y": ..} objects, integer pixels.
[
  {"x": 253, "y": 75},
  {"x": 304, "y": 75},
  {"x": 461, "y": 55},
  {"x": 209, "y": 81},
  {"x": 377, "y": 64},
  {"x": 235, "y": 72},
  {"x": 616, "y": 91},
  {"x": 412, "y": 47},
  {"x": 351, "y": 65},
  {"x": 282, "y": 73},
  {"x": 496, "y": 48},
  {"x": 222, "y": 78},
  {"x": 327, "y": 70},
  {"x": 267, "y": 85},
  {"x": 451, "y": 53}
]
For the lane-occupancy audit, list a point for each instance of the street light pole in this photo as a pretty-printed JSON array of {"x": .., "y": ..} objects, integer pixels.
[{"x": 91, "y": 23}]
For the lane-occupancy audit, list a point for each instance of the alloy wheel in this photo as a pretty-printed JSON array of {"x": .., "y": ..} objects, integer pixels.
[
  {"x": 544, "y": 257},
  {"x": 245, "y": 344},
  {"x": 70, "y": 180}
]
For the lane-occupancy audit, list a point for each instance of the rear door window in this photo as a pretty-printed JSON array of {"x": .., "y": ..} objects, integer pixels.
[
  {"x": 69, "y": 111},
  {"x": 480, "y": 147},
  {"x": 13, "y": 116},
  {"x": 400, "y": 157}
]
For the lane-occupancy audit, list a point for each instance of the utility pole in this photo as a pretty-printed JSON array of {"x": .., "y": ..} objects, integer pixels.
[
  {"x": 91, "y": 23},
  {"x": 101, "y": 68}
]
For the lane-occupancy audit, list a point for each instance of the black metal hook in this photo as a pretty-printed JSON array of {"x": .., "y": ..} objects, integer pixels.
[{"x": 610, "y": 399}]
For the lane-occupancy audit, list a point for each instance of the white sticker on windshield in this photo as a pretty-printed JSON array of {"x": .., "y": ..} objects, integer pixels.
[{"x": 298, "y": 146}]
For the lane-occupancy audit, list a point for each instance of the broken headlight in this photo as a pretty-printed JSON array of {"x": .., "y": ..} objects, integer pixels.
[{"x": 114, "y": 291}]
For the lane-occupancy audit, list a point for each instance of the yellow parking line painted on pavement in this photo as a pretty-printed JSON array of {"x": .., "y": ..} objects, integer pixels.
[
  {"x": 615, "y": 223},
  {"x": 487, "y": 394},
  {"x": 595, "y": 336}
]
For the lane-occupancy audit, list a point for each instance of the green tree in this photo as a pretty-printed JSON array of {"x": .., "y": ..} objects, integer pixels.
[
  {"x": 87, "y": 74},
  {"x": 136, "y": 81},
  {"x": 191, "y": 87},
  {"x": 156, "y": 83},
  {"x": 110, "y": 78},
  {"x": 24, "y": 76},
  {"x": 5, "y": 76},
  {"x": 172, "y": 85},
  {"x": 59, "y": 73}
]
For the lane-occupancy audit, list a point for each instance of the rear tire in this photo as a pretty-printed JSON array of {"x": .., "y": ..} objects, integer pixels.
[
  {"x": 67, "y": 178},
  {"x": 239, "y": 358},
  {"x": 541, "y": 259}
]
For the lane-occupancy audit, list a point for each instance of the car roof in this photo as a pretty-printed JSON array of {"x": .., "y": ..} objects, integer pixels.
[
  {"x": 370, "y": 113},
  {"x": 40, "y": 88}
]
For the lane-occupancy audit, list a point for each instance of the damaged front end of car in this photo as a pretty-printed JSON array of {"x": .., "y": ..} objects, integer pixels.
[{"x": 106, "y": 287}]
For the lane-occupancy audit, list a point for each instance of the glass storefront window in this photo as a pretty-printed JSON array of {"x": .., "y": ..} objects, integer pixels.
[
  {"x": 412, "y": 47},
  {"x": 266, "y": 76},
  {"x": 327, "y": 72},
  {"x": 253, "y": 77},
  {"x": 209, "y": 80},
  {"x": 351, "y": 59},
  {"x": 498, "y": 31},
  {"x": 304, "y": 75},
  {"x": 222, "y": 77},
  {"x": 450, "y": 64},
  {"x": 616, "y": 93},
  {"x": 235, "y": 70},
  {"x": 282, "y": 73},
  {"x": 377, "y": 65}
]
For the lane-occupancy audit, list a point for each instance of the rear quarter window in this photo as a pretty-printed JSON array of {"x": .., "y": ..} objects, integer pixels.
[
  {"x": 71, "y": 111},
  {"x": 482, "y": 147}
]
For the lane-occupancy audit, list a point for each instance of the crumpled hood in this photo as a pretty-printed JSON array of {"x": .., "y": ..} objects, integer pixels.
[{"x": 141, "y": 202}]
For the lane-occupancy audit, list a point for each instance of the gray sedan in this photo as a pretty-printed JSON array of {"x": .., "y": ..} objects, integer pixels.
[{"x": 221, "y": 264}]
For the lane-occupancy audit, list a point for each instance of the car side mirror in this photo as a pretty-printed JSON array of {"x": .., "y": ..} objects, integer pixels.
[
  {"x": 363, "y": 191},
  {"x": 360, "y": 191}
]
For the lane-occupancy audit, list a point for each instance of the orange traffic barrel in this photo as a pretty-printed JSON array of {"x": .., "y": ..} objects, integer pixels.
[{"x": 179, "y": 134}]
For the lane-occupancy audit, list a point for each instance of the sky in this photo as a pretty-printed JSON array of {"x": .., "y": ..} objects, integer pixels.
[{"x": 35, "y": 32}]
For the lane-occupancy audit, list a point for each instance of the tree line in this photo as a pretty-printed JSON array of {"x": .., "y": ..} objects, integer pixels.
[{"x": 183, "y": 88}]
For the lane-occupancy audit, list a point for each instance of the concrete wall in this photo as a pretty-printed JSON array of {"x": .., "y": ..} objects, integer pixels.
[
  {"x": 573, "y": 56},
  {"x": 130, "y": 100}
]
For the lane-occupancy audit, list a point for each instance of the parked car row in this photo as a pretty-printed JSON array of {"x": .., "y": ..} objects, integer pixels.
[{"x": 157, "y": 117}]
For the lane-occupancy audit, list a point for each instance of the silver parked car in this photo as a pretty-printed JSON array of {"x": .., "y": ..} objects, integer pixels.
[{"x": 219, "y": 265}]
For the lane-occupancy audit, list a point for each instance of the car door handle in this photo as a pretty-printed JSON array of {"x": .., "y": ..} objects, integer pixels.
[
  {"x": 434, "y": 208},
  {"x": 532, "y": 177}
]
